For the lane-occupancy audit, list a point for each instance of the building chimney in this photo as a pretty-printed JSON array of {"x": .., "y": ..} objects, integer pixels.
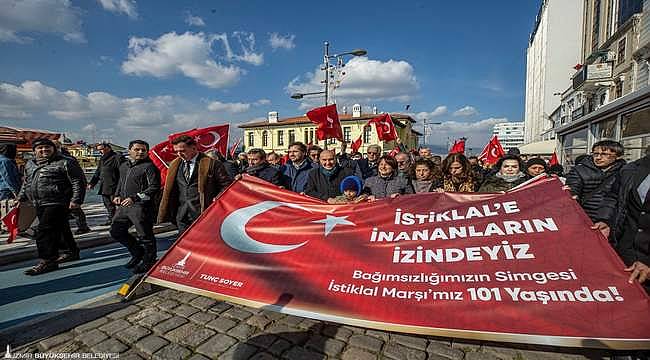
[
  {"x": 345, "y": 110},
  {"x": 356, "y": 110},
  {"x": 273, "y": 117},
  {"x": 374, "y": 110}
]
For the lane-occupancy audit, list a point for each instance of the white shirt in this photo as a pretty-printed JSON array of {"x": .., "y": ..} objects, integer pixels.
[{"x": 192, "y": 163}]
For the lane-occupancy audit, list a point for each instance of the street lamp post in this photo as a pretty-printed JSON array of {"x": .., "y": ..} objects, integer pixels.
[
  {"x": 327, "y": 68},
  {"x": 425, "y": 128}
]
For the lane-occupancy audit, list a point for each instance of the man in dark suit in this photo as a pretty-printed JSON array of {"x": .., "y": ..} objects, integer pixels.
[
  {"x": 260, "y": 168},
  {"x": 193, "y": 181},
  {"x": 368, "y": 165},
  {"x": 107, "y": 176}
]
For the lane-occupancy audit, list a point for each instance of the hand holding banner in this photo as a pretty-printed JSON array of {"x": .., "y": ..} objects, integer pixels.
[{"x": 523, "y": 266}]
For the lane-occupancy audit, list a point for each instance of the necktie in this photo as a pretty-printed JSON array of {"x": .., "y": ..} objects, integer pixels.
[{"x": 186, "y": 171}]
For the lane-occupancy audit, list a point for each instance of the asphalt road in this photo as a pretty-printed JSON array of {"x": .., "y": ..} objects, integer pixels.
[{"x": 99, "y": 271}]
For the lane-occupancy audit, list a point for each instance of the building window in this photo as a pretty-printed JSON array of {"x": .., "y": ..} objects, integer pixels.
[
  {"x": 574, "y": 144},
  {"x": 306, "y": 136},
  {"x": 635, "y": 134},
  {"x": 635, "y": 123},
  {"x": 265, "y": 138},
  {"x": 619, "y": 89},
  {"x": 606, "y": 129},
  {"x": 620, "y": 58},
  {"x": 251, "y": 139},
  {"x": 595, "y": 29},
  {"x": 292, "y": 136},
  {"x": 280, "y": 137},
  {"x": 331, "y": 141},
  {"x": 347, "y": 134},
  {"x": 366, "y": 134},
  {"x": 311, "y": 136}
]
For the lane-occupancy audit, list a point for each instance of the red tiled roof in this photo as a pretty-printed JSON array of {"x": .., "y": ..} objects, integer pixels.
[{"x": 304, "y": 120}]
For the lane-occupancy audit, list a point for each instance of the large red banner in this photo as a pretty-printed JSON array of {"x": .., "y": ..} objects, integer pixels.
[{"x": 523, "y": 266}]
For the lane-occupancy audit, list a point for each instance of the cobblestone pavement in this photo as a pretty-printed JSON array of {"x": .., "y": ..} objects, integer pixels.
[{"x": 175, "y": 325}]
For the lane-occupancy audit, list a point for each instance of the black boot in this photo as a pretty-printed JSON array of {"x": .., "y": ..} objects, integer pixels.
[
  {"x": 136, "y": 256},
  {"x": 149, "y": 257}
]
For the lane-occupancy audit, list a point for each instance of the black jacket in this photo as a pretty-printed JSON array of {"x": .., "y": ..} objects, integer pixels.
[
  {"x": 367, "y": 170},
  {"x": 614, "y": 208},
  {"x": 58, "y": 182},
  {"x": 266, "y": 172},
  {"x": 107, "y": 173},
  {"x": 323, "y": 187},
  {"x": 591, "y": 184},
  {"x": 139, "y": 180}
]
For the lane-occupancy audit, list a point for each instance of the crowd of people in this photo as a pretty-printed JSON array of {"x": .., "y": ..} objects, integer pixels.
[{"x": 615, "y": 195}]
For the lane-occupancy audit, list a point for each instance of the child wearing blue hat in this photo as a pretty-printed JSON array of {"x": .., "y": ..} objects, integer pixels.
[{"x": 351, "y": 191}]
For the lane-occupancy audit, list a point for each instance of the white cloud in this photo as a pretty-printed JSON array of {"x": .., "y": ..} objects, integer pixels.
[
  {"x": 263, "y": 102},
  {"x": 236, "y": 107},
  {"x": 362, "y": 80},
  {"x": 28, "y": 16},
  {"x": 188, "y": 54},
  {"x": 127, "y": 7},
  {"x": 478, "y": 133},
  {"x": 218, "y": 106},
  {"x": 466, "y": 111},
  {"x": 194, "y": 20},
  {"x": 278, "y": 41},
  {"x": 438, "y": 111},
  {"x": 36, "y": 105},
  {"x": 246, "y": 42}
]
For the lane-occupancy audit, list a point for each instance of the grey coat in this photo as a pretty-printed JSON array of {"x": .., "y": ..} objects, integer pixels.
[{"x": 381, "y": 187}]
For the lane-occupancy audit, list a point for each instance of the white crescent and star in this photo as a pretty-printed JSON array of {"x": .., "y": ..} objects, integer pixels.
[
  {"x": 233, "y": 228},
  {"x": 215, "y": 139},
  {"x": 330, "y": 120}
]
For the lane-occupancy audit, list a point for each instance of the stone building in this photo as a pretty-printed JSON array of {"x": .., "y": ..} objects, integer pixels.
[
  {"x": 275, "y": 134},
  {"x": 610, "y": 96}
]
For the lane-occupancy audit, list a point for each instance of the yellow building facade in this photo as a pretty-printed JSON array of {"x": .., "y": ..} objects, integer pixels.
[{"x": 274, "y": 134}]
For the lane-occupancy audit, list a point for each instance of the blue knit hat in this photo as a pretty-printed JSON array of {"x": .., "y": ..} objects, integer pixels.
[{"x": 351, "y": 183}]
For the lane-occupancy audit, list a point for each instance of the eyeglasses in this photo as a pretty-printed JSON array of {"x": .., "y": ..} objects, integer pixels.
[
  {"x": 372, "y": 152},
  {"x": 603, "y": 154}
]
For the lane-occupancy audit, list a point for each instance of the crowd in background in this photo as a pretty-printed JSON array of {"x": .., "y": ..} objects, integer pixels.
[{"x": 615, "y": 195}]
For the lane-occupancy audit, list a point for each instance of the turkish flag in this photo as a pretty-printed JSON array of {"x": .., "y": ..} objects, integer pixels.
[
  {"x": 492, "y": 151},
  {"x": 553, "y": 160},
  {"x": 234, "y": 148},
  {"x": 458, "y": 148},
  {"x": 161, "y": 155},
  {"x": 327, "y": 119},
  {"x": 11, "y": 222},
  {"x": 209, "y": 138},
  {"x": 394, "y": 151},
  {"x": 385, "y": 127},
  {"x": 356, "y": 144},
  {"x": 489, "y": 266}
]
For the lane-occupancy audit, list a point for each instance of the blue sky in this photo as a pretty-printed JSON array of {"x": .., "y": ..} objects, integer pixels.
[{"x": 121, "y": 69}]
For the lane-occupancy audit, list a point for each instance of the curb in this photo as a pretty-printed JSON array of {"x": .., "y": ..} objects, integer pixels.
[{"x": 30, "y": 252}]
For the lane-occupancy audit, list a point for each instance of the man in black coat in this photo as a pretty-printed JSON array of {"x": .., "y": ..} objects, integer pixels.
[
  {"x": 368, "y": 166},
  {"x": 626, "y": 212},
  {"x": 324, "y": 181},
  {"x": 107, "y": 176},
  {"x": 259, "y": 167},
  {"x": 594, "y": 176},
  {"x": 54, "y": 184},
  {"x": 136, "y": 191}
]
